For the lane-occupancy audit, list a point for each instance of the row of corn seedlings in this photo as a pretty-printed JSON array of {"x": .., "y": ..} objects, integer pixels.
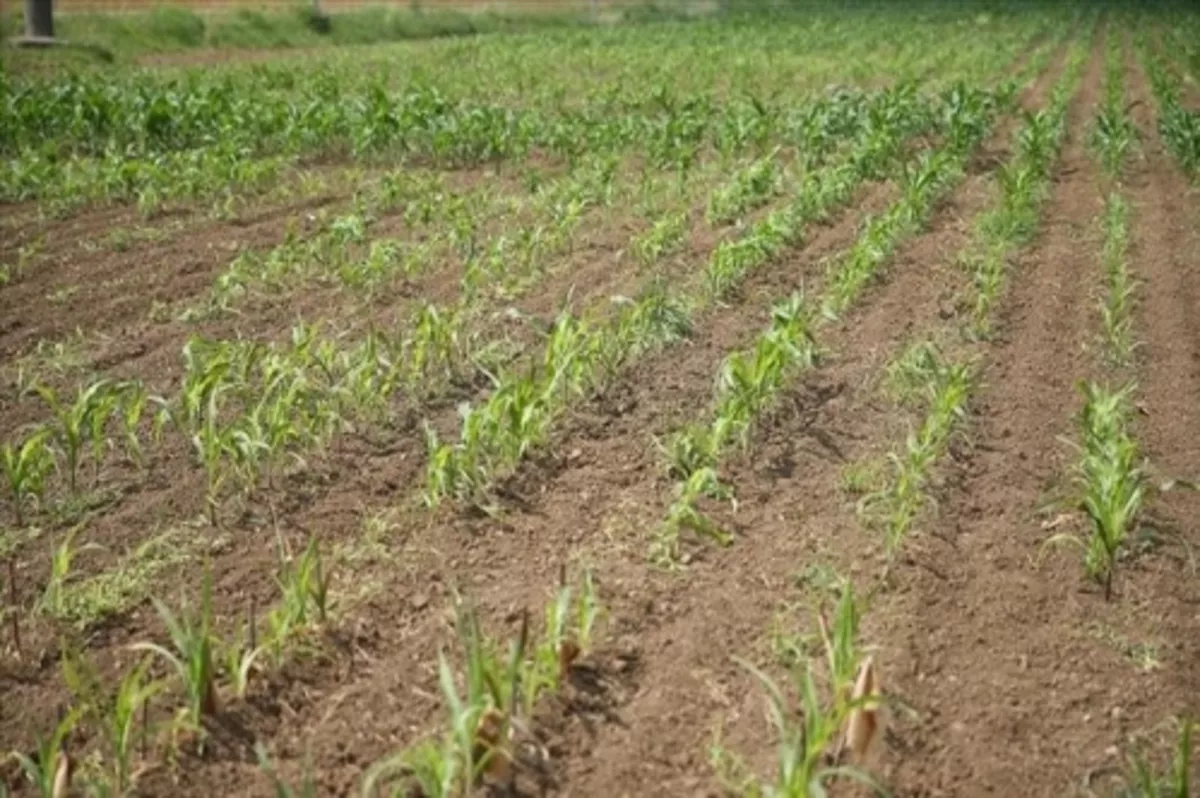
[
  {"x": 942, "y": 384},
  {"x": 1023, "y": 184},
  {"x": 197, "y": 664},
  {"x": 580, "y": 355},
  {"x": 191, "y": 148},
  {"x": 153, "y": 138},
  {"x": 1109, "y": 472},
  {"x": 423, "y": 199},
  {"x": 749, "y": 382},
  {"x": 1116, "y": 305},
  {"x": 1178, "y": 127},
  {"x": 1113, "y": 134},
  {"x": 490, "y": 700},
  {"x": 942, "y": 388},
  {"x": 246, "y": 409}
]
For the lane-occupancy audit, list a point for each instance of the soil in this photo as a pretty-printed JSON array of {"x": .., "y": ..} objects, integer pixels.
[{"x": 993, "y": 648}]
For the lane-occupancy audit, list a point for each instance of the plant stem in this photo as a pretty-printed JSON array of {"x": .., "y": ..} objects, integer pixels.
[{"x": 12, "y": 600}]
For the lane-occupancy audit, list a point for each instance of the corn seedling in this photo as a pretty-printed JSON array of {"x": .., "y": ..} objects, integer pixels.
[
  {"x": 438, "y": 347},
  {"x": 1111, "y": 475},
  {"x": 238, "y": 660},
  {"x": 498, "y": 695},
  {"x": 191, "y": 654},
  {"x": 51, "y": 768},
  {"x": 567, "y": 634},
  {"x": 477, "y": 742},
  {"x": 749, "y": 188},
  {"x": 114, "y": 712},
  {"x": 24, "y": 468},
  {"x": 685, "y": 514},
  {"x": 1111, "y": 480},
  {"x": 80, "y": 422},
  {"x": 1113, "y": 136},
  {"x": 840, "y": 715},
  {"x": 304, "y": 584},
  {"x": 62, "y": 556}
]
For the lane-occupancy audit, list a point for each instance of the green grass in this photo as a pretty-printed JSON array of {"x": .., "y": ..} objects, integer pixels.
[{"x": 98, "y": 38}]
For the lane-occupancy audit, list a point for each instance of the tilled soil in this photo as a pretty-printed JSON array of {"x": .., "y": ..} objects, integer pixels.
[{"x": 1007, "y": 673}]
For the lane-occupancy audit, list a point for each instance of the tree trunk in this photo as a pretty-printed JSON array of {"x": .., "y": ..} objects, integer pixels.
[{"x": 39, "y": 19}]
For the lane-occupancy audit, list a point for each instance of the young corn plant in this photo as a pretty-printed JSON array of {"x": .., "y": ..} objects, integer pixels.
[
  {"x": 838, "y": 715},
  {"x": 49, "y": 771},
  {"x": 80, "y": 422},
  {"x": 191, "y": 654},
  {"x": 133, "y": 399},
  {"x": 1113, "y": 137},
  {"x": 685, "y": 514},
  {"x": 24, "y": 468},
  {"x": 477, "y": 743},
  {"x": 1110, "y": 477},
  {"x": 115, "y": 713},
  {"x": 439, "y": 346},
  {"x": 304, "y": 583},
  {"x": 238, "y": 659},
  {"x": 499, "y": 692},
  {"x": 567, "y": 633}
]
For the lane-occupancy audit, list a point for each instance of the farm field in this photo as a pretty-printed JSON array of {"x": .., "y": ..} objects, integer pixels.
[{"x": 764, "y": 404}]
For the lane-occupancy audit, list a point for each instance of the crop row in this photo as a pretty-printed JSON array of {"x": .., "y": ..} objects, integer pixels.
[
  {"x": 1178, "y": 126},
  {"x": 155, "y": 138},
  {"x": 749, "y": 382},
  {"x": 580, "y": 356},
  {"x": 943, "y": 385}
]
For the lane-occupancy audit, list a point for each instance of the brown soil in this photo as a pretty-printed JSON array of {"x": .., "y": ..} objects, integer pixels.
[
  {"x": 999, "y": 648},
  {"x": 597, "y": 505},
  {"x": 990, "y": 645}
]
